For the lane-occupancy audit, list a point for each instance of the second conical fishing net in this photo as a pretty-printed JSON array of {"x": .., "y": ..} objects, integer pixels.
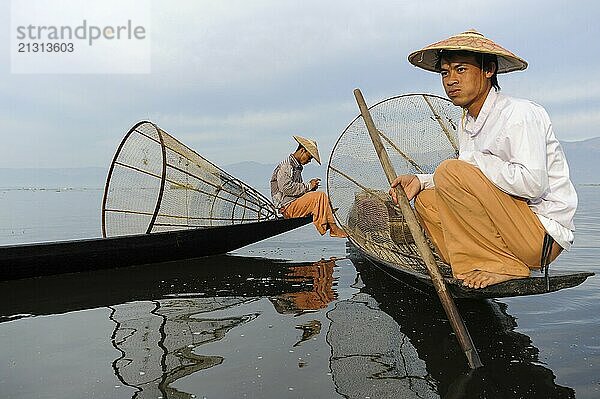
[
  {"x": 418, "y": 131},
  {"x": 157, "y": 183}
]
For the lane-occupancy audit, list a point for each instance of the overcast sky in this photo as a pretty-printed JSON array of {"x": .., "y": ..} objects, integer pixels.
[{"x": 235, "y": 79}]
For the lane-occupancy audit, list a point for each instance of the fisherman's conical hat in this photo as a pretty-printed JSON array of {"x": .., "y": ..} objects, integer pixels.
[
  {"x": 471, "y": 40},
  {"x": 310, "y": 146}
]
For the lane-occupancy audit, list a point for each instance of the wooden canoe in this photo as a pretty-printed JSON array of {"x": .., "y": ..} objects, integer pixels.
[
  {"x": 32, "y": 260},
  {"x": 534, "y": 285}
]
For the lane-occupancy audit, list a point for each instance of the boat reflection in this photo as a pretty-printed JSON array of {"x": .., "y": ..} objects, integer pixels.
[
  {"x": 512, "y": 368},
  {"x": 215, "y": 276}
]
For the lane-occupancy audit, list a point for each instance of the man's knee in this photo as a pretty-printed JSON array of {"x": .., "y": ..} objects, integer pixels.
[
  {"x": 316, "y": 197},
  {"x": 319, "y": 196},
  {"x": 446, "y": 171},
  {"x": 451, "y": 172}
]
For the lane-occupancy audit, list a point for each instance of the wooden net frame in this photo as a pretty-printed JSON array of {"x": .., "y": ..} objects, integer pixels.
[{"x": 156, "y": 183}]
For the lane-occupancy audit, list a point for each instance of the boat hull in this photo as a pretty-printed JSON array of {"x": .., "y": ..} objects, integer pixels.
[
  {"x": 32, "y": 260},
  {"x": 533, "y": 285}
]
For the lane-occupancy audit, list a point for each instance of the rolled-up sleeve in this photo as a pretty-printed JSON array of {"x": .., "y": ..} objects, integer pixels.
[{"x": 426, "y": 180}]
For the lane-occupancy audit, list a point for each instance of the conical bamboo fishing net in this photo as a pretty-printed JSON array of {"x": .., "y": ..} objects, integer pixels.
[
  {"x": 156, "y": 183},
  {"x": 418, "y": 131}
]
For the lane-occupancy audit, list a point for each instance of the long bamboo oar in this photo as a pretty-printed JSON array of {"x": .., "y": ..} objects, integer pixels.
[{"x": 456, "y": 321}]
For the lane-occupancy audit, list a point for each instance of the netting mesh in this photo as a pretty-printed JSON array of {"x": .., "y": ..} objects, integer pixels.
[
  {"x": 418, "y": 132},
  {"x": 157, "y": 184}
]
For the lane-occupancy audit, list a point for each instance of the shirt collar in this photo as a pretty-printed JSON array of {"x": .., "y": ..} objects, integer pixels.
[
  {"x": 294, "y": 162},
  {"x": 472, "y": 126}
]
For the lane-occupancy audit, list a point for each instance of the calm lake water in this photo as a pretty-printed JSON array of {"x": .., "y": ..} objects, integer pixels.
[{"x": 279, "y": 319}]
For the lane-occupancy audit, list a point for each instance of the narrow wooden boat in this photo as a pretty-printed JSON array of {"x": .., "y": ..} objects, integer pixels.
[
  {"x": 32, "y": 260},
  {"x": 162, "y": 201},
  {"x": 418, "y": 277}
]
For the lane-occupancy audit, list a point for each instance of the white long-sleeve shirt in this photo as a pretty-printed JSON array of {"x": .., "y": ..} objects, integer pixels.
[{"x": 512, "y": 142}]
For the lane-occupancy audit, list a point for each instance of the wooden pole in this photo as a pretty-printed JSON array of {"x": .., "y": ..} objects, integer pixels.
[{"x": 456, "y": 321}]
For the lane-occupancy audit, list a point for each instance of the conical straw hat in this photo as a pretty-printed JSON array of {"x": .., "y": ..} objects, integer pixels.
[
  {"x": 471, "y": 40},
  {"x": 311, "y": 147}
]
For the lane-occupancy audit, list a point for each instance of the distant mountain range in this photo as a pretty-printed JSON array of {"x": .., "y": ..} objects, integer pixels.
[
  {"x": 584, "y": 160},
  {"x": 583, "y": 156}
]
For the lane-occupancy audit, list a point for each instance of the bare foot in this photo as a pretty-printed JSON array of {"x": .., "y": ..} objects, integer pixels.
[
  {"x": 335, "y": 231},
  {"x": 482, "y": 279}
]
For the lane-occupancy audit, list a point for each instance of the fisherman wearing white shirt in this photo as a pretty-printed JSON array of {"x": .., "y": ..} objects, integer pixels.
[{"x": 491, "y": 212}]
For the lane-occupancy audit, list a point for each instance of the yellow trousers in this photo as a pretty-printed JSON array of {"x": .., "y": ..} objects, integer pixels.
[
  {"x": 476, "y": 226},
  {"x": 315, "y": 203}
]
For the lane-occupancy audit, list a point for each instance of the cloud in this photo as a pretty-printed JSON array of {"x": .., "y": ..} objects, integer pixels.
[
  {"x": 262, "y": 135},
  {"x": 236, "y": 78}
]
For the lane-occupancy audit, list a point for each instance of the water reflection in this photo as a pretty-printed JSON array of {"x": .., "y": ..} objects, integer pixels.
[
  {"x": 320, "y": 276},
  {"x": 217, "y": 276},
  {"x": 202, "y": 327},
  {"x": 511, "y": 369},
  {"x": 159, "y": 340}
]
